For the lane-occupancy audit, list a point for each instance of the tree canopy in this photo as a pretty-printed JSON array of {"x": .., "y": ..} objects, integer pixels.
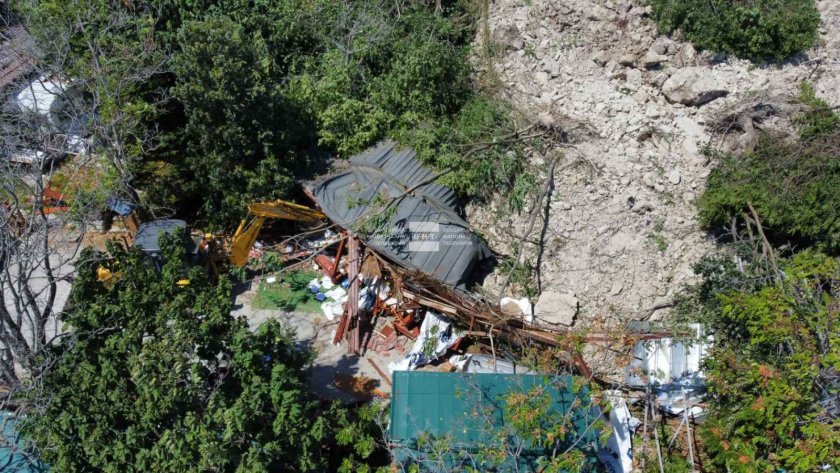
[
  {"x": 774, "y": 29},
  {"x": 770, "y": 297},
  {"x": 790, "y": 181},
  {"x": 156, "y": 376}
]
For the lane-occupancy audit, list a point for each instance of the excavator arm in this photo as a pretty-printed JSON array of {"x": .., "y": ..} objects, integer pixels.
[{"x": 249, "y": 229}]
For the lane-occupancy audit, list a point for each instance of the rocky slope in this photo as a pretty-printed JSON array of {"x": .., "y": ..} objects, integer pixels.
[{"x": 622, "y": 233}]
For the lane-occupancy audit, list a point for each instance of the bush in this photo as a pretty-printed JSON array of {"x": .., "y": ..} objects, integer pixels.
[
  {"x": 754, "y": 29},
  {"x": 792, "y": 185},
  {"x": 772, "y": 372}
]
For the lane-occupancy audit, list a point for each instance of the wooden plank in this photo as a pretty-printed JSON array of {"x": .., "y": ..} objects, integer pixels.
[
  {"x": 430, "y": 303},
  {"x": 342, "y": 327},
  {"x": 353, "y": 293},
  {"x": 385, "y": 377},
  {"x": 334, "y": 270},
  {"x": 412, "y": 334}
]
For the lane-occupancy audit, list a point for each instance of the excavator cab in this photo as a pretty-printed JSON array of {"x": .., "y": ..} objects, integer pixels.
[{"x": 147, "y": 239}]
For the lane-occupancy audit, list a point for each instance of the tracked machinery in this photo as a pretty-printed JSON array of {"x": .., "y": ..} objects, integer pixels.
[{"x": 214, "y": 251}]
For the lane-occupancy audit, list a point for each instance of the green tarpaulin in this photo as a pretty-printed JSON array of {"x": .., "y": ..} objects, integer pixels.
[{"x": 467, "y": 413}]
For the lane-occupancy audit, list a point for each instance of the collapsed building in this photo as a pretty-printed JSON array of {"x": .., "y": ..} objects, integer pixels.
[
  {"x": 391, "y": 198},
  {"x": 396, "y": 272}
]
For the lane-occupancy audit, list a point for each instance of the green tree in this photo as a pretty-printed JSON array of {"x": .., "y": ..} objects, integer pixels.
[
  {"x": 108, "y": 53},
  {"x": 157, "y": 376},
  {"x": 791, "y": 183},
  {"x": 243, "y": 136},
  {"x": 774, "y": 372}
]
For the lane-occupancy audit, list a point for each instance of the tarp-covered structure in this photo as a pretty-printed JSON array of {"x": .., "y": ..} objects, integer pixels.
[
  {"x": 469, "y": 411},
  {"x": 420, "y": 230}
]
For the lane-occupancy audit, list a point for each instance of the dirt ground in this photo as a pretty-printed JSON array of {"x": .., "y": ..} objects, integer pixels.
[{"x": 316, "y": 332}]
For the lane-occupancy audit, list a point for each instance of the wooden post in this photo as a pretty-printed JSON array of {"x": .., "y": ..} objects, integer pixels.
[{"x": 353, "y": 293}]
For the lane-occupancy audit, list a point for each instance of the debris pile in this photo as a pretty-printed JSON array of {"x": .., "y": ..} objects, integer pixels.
[{"x": 398, "y": 287}]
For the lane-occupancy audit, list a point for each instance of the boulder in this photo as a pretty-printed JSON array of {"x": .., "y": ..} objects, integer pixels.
[
  {"x": 674, "y": 177},
  {"x": 651, "y": 60},
  {"x": 556, "y": 308},
  {"x": 685, "y": 56},
  {"x": 692, "y": 86},
  {"x": 601, "y": 58},
  {"x": 552, "y": 67},
  {"x": 515, "y": 307},
  {"x": 627, "y": 59},
  {"x": 510, "y": 37}
]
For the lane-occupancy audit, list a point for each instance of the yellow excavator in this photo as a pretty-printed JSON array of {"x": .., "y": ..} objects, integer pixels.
[
  {"x": 239, "y": 246},
  {"x": 236, "y": 249}
]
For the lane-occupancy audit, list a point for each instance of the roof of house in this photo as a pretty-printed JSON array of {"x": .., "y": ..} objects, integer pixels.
[
  {"x": 422, "y": 229},
  {"x": 13, "y": 64},
  {"x": 469, "y": 411}
]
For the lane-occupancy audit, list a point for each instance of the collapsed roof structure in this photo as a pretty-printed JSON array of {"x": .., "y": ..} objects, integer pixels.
[
  {"x": 13, "y": 64},
  {"x": 417, "y": 223}
]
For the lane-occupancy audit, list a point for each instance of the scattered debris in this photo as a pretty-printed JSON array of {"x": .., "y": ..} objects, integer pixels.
[
  {"x": 671, "y": 369},
  {"x": 617, "y": 455},
  {"x": 437, "y": 336},
  {"x": 361, "y": 387}
]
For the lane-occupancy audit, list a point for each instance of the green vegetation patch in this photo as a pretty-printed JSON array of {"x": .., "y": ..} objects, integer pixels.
[
  {"x": 791, "y": 184},
  {"x": 755, "y": 29},
  {"x": 289, "y": 293},
  {"x": 773, "y": 367},
  {"x": 159, "y": 377}
]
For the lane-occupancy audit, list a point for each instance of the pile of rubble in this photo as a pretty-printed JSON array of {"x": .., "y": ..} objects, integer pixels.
[{"x": 622, "y": 234}]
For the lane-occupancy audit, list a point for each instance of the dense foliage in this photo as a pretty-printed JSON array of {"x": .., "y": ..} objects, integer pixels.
[
  {"x": 250, "y": 96},
  {"x": 774, "y": 369},
  {"x": 792, "y": 184},
  {"x": 157, "y": 376},
  {"x": 755, "y": 29}
]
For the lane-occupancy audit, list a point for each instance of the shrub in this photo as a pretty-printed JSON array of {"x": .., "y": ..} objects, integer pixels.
[
  {"x": 754, "y": 29},
  {"x": 772, "y": 372},
  {"x": 791, "y": 184},
  {"x": 820, "y": 119}
]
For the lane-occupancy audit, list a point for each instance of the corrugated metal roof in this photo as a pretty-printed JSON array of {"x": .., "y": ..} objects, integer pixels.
[
  {"x": 424, "y": 232},
  {"x": 469, "y": 410}
]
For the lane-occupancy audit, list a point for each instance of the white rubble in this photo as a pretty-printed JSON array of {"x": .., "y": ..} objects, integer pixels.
[
  {"x": 556, "y": 308},
  {"x": 693, "y": 86},
  {"x": 622, "y": 231}
]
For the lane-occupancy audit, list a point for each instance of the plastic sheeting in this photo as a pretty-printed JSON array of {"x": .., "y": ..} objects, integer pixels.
[
  {"x": 39, "y": 96},
  {"x": 617, "y": 455},
  {"x": 435, "y": 339}
]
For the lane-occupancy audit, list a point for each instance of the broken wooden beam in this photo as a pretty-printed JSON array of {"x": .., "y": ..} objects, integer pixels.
[
  {"x": 384, "y": 376},
  {"x": 342, "y": 327},
  {"x": 448, "y": 309}
]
